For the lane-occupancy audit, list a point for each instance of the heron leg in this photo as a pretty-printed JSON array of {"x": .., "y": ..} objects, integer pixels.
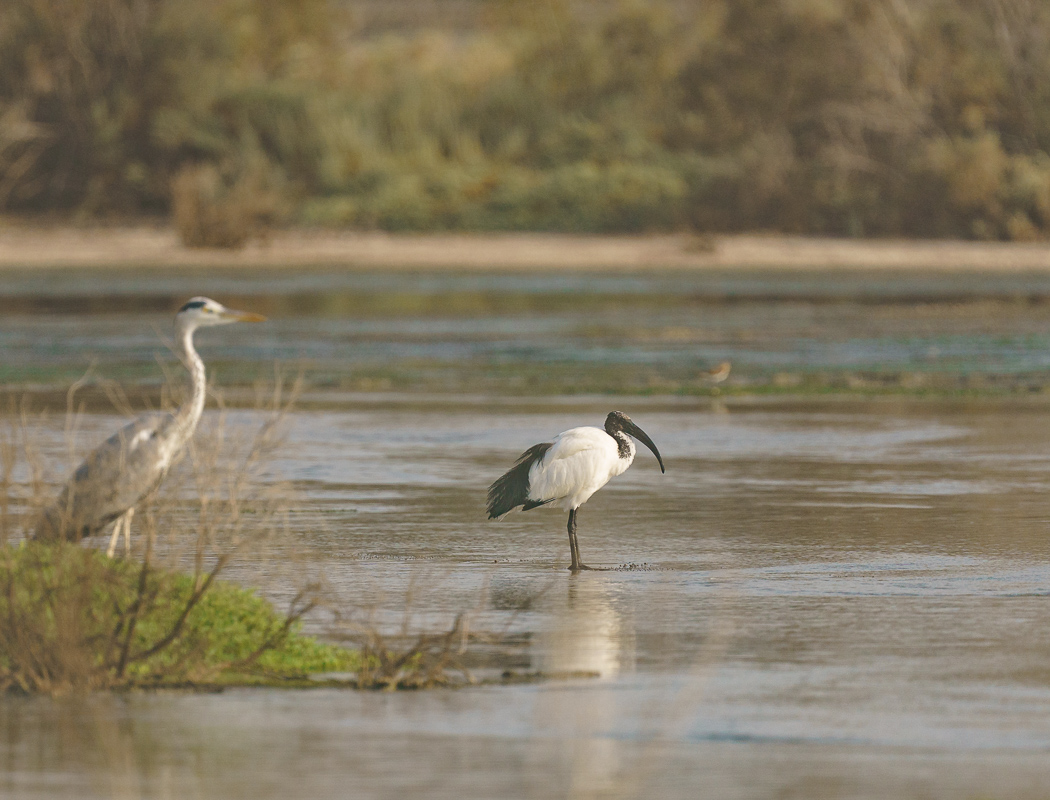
[
  {"x": 127, "y": 531},
  {"x": 116, "y": 536},
  {"x": 123, "y": 524}
]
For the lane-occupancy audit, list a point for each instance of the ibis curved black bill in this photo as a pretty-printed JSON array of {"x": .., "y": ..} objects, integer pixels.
[{"x": 633, "y": 430}]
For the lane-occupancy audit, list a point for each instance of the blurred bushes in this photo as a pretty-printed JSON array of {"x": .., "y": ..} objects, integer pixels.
[
  {"x": 845, "y": 117},
  {"x": 212, "y": 211}
]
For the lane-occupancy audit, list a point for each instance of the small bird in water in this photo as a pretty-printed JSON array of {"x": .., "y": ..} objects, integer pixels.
[
  {"x": 717, "y": 375},
  {"x": 568, "y": 470},
  {"x": 119, "y": 473}
]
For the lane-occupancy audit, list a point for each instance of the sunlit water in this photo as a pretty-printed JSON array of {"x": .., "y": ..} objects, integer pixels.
[{"x": 818, "y": 599}]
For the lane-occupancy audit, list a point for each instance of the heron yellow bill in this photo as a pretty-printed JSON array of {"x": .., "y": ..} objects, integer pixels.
[{"x": 242, "y": 316}]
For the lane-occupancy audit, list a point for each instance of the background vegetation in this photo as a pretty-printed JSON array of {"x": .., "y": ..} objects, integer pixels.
[{"x": 844, "y": 117}]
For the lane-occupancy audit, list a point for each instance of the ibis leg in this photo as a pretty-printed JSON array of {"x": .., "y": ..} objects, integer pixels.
[
  {"x": 574, "y": 566},
  {"x": 574, "y": 545}
]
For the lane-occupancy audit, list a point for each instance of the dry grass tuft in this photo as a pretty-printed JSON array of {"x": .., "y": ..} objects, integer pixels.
[
  {"x": 424, "y": 661},
  {"x": 408, "y": 655}
]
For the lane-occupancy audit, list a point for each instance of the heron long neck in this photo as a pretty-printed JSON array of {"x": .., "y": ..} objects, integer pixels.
[{"x": 189, "y": 414}]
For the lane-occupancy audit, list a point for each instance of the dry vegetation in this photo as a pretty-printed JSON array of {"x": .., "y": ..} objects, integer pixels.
[
  {"x": 405, "y": 661},
  {"x": 843, "y": 117},
  {"x": 73, "y": 620}
]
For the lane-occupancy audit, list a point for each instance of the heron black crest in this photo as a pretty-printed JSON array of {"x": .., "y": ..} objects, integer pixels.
[
  {"x": 512, "y": 488},
  {"x": 193, "y": 304}
]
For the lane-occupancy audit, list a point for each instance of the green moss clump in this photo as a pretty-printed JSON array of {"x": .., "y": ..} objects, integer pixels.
[{"x": 72, "y": 619}]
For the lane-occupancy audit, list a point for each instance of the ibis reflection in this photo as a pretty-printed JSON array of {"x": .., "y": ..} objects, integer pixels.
[{"x": 585, "y": 634}]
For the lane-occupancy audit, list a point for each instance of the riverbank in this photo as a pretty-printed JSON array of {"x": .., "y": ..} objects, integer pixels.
[{"x": 46, "y": 246}]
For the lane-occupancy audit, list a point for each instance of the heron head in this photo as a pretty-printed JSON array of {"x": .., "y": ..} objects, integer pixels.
[
  {"x": 200, "y": 312},
  {"x": 618, "y": 421}
]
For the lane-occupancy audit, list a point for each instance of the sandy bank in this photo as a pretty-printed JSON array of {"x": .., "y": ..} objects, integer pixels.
[{"x": 123, "y": 247}]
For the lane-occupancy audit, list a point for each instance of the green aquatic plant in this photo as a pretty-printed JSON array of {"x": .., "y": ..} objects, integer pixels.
[{"x": 72, "y": 619}]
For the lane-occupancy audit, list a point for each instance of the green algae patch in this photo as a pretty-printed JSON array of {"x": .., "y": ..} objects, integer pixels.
[{"x": 72, "y": 619}]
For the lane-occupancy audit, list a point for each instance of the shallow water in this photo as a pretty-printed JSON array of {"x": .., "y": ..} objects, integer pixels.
[
  {"x": 821, "y": 598},
  {"x": 539, "y": 334},
  {"x": 848, "y": 599}
]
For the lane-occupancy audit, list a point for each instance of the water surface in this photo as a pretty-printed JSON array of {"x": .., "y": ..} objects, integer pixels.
[
  {"x": 849, "y": 599},
  {"x": 539, "y": 334},
  {"x": 821, "y": 598}
]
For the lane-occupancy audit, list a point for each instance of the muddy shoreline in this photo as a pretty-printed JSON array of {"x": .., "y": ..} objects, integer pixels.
[{"x": 25, "y": 245}]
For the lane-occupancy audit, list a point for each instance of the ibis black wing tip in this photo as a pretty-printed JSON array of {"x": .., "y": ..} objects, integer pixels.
[
  {"x": 511, "y": 489},
  {"x": 531, "y": 504}
]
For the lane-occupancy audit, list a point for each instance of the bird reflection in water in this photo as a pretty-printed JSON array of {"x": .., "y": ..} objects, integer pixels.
[{"x": 585, "y": 634}]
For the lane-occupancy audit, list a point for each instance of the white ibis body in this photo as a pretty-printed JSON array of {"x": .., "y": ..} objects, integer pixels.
[{"x": 567, "y": 471}]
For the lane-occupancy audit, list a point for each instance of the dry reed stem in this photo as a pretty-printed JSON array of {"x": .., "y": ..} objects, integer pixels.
[{"x": 411, "y": 657}]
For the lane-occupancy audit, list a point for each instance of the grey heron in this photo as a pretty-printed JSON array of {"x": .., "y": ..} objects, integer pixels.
[
  {"x": 568, "y": 470},
  {"x": 131, "y": 463}
]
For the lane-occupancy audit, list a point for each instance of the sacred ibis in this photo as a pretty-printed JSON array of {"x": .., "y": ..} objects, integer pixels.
[{"x": 568, "y": 471}]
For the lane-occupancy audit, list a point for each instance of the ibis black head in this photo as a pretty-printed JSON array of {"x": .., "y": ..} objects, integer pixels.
[{"x": 617, "y": 421}]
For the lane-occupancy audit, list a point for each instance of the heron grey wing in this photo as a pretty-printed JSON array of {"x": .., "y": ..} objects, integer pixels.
[{"x": 118, "y": 473}]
